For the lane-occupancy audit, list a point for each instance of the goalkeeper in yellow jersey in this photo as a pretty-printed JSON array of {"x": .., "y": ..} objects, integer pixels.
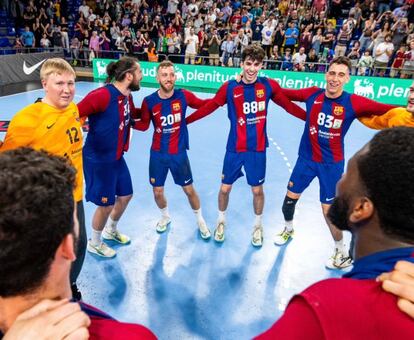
[
  {"x": 398, "y": 116},
  {"x": 52, "y": 123}
]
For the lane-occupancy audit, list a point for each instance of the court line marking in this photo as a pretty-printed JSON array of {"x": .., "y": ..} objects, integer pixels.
[{"x": 282, "y": 154}]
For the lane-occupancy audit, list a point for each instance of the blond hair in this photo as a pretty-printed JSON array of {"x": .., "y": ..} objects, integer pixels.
[{"x": 55, "y": 65}]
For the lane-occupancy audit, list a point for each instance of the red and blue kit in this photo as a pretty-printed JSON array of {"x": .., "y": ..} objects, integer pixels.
[
  {"x": 170, "y": 140},
  {"x": 247, "y": 106},
  {"x": 354, "y": 307},
  {"x": 321, "y": 150},
  {"x": 109, "y": 114}
]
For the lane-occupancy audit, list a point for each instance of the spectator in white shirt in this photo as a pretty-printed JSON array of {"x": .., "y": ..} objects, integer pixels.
[
  {"x": 299, "y": 59},
  {"x": 191, "y": 42},
  {"x": 383, "y": 53}
]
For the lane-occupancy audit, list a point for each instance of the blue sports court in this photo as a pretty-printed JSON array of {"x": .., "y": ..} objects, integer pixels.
[{"x": 183, "y": 287}]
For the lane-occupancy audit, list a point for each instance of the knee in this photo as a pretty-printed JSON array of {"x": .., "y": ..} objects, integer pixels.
[
  {"x": 158, "y": 192},
  {"x": 257, "y": 191},
  {"x": 225, "y": 190},
  {"x": 189, "y": 190},
  {"x": 288, "y": 208}
]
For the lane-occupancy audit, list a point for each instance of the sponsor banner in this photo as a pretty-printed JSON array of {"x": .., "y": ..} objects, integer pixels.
[
  {"x": 16, "y": 68},
  {"x": 384, "y": 90}
]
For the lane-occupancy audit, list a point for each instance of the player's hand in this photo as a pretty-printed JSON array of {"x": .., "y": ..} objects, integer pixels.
[
  {"x": 239, "y": 78},
  {"x": 400, "y": 282},
  {"x": 50, "y": 320}
]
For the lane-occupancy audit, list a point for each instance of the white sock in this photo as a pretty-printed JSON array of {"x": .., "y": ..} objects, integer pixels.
[
  {"x": 221, "y": 216},
  {"x": 257, "y": 220},
  {"x": 165, "y": 214},
  {"x": 199, "y": 215},
  {"x": 111, "y": 224},
  {"x": 340, "y": 246},
  {"x": 96, "y": 237},
  {"x": 289, "y": 225}
]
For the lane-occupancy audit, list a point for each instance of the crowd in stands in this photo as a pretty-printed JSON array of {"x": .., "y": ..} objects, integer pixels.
[{"x": 302, "y": 35}]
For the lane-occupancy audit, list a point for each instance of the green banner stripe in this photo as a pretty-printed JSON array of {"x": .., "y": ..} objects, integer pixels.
[{"x": 384, "y": 90}]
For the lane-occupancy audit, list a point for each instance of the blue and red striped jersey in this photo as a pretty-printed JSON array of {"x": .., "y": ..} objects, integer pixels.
[
  {"x": 247, "y": 111},
  {"x": 109, "y": 114},
  {"x": 168, "y": 118},
  {"x": 328, "y": 120}
]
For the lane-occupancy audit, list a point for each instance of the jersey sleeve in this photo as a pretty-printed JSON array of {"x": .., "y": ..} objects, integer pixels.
[
  {"x": 298, "y": 312},
  {"x": 20, "y": 132},
  {"x": 282, "y": 100},
  {"x": 135, "y": 112},
  {"x": 212, "y": 104},
  {"x": 299, "y": 95},
  {"x": 193, "y": 101},
  {"x": 366, "y": 107},
  {"x": 143, "y": 123},
  {"x": 94, "y": 102}
]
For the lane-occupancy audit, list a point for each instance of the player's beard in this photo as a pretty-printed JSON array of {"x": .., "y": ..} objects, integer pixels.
[
  {"x": 165, "y": 89},
  {"x": 134, "y": 86},
  {"x": 338, "y": 213}
]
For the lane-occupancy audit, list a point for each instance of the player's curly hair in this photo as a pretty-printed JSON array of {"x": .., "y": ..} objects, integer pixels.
[
  {"x": 36, "y": 213},
  {"x": 387, "y": 170},
  {"x": 254, "y": 52},
  {"x": 117, "y": 70}
]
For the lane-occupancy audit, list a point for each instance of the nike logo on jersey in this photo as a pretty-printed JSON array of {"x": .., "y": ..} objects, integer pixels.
[
  {"x": 29, "y": 70},
  {"x": 50, "y": 126},
  {"x": 238, "y": 95},
  {"x": 330, "y": 199},
  {"x": 155, "y": 113},
  {"x": 317, "y": 102},
  {"x": 187, "y": 180}
]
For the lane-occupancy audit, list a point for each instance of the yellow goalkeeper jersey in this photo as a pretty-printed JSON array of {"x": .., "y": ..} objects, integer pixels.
[
  {"x": 41, "y": 126},
  {"x": 394, "y": 117}
]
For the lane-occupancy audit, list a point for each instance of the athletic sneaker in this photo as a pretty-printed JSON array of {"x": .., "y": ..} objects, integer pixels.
[
  {"x": 283, "y": 237},
  {"x": 257, "y": 236},
  {"x": 204, "y": 231},
  {"x": 115, "y": 236},
  {"x": 163, "y": 224},
  {"x": 102, "y": 249},
  {"x": 338, "y": 260},
  {"x": 219, "y": 232}
]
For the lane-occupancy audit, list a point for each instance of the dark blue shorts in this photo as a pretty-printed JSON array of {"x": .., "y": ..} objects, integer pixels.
[
  {"x": 178, "y": 164},
  {"x": 106, "y": 180},
  {"x": 254, "y": 164},
  {"x": 328, "y": 175}
]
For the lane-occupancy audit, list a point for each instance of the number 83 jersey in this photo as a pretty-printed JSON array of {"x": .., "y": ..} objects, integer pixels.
[{"x": 41, "y": 126}]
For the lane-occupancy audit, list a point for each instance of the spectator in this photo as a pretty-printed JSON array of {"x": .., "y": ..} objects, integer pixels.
[
  {"x": 305, "y": 39},
  {"x": 27, "y": 38},
  {"x": 342, "y": 40},
  {"x": 84, "y": 9},
  {"x": 172, "y": 8},
  {"x": 240, "y": 43},
  {"x": 104, "y": 45},
  {"x": 312, "y": 61},
  {"x": 267, "y": 38},
  {"x": 193, "y": 9},
  {"x": 365, "y": 63},
  {"x": 383, "y": 53},
  {"x": 75, "y": 46},
  {"x": 398, "y": 62},
  {"x": 317, "y": 41},
  {"x": 257, "y": 28},
  {"x": 354, "y": 55},
  {"x": 367, "y": 32},
  {"x": 227, "y": 48},
  {"x": 191, "y": 42},
  {"x": 275, "y": 59},
  {"x": 379, "y": 35},
  {"x": 408, "y": 66},
  {"x": 287, "y": 64},
  {"x": 57, "y": 38},
  {"x": 399, "y": 32},
  {"x": 329, "y": 37},
  {"x": 291, "y": 35},
  {"x": 214, "y": 48},
  {"x": 299, "y": 60},
  {"x": 45, "y": 42}
]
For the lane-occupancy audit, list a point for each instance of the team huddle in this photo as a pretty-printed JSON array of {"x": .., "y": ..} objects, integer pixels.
[{"x": 54, "y": 123}]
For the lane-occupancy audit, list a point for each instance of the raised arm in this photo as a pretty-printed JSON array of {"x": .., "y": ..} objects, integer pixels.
[
  {"x": 193, "y": 101},
  {"x": 366, "y": 107},
  {"x": 299, "y": 95},
  {"x": 218, "y": 100},
  {"x": 94, "y": 102},
  {"x": 143, "y": 123}
]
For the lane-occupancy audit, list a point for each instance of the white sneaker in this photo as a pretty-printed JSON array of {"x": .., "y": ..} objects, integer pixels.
[
  {"x": 257, "y": 236},
  {"x": 101, "y": 250},
  {"x": 203, "y": 229},
  {"x": 338, "y": 260},
  {"x": 219, "y": 232},
  {"x": 163, "y": 224},
  {"x": 115, "y": 236},
  {"x": 283, "y": 237}
]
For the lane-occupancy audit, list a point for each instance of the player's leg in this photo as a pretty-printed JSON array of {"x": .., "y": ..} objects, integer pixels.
[
  {"x": 123, "y": 191},
  {"x": 302, "y": 175},
  {"x": 329, "y": 175},
  {"x": 255, "y": 167},
  {"x": 158, "y": 171},
  {"x": 232, "y": 165},
  {"x": 181, "y": 171},
  {"x": 100, "y": 182}
]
